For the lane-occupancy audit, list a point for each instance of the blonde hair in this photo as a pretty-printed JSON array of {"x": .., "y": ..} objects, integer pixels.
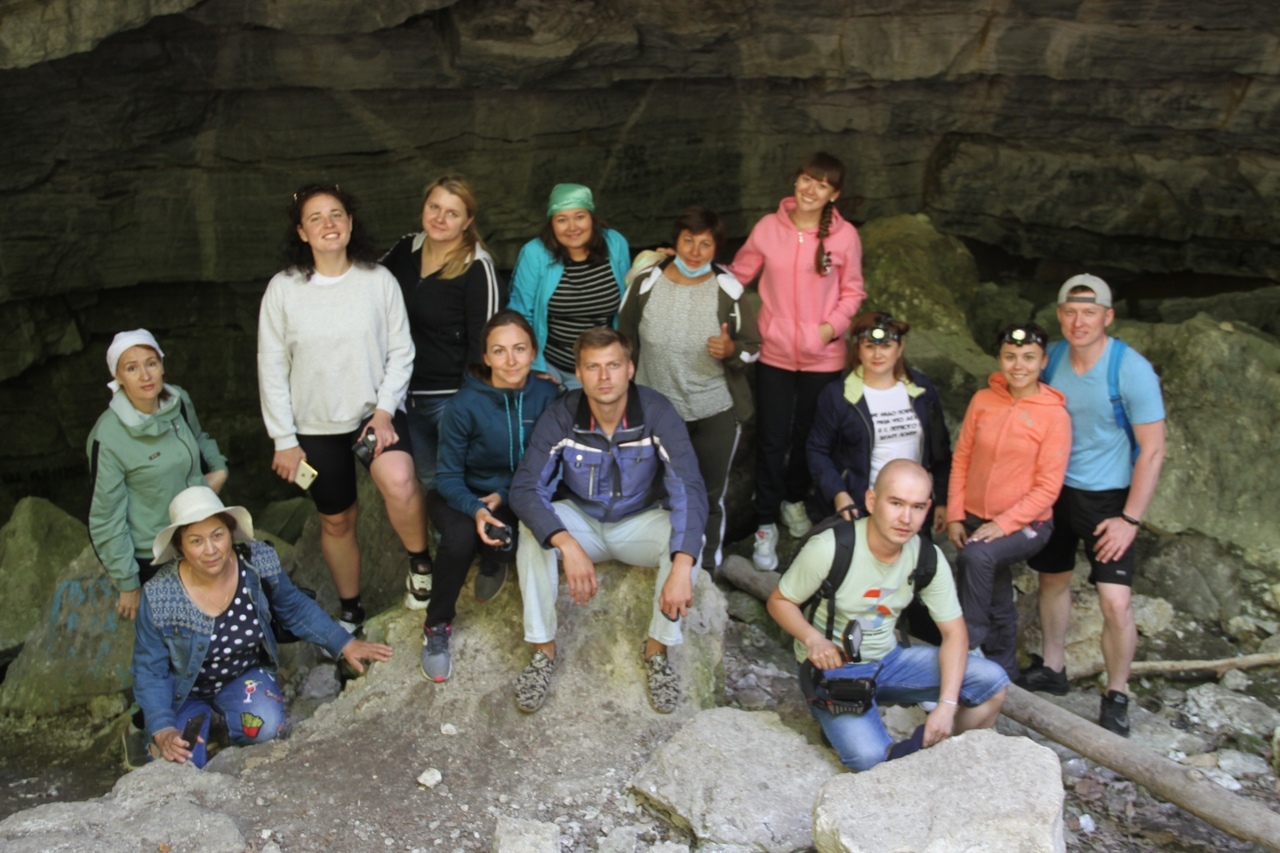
[{"x": 461, "y": 258}]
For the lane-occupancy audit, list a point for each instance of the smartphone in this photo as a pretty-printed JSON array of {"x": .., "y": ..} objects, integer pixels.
[
  {"x": 305, "y": 475},
  {"x": 191, "y": 732}
]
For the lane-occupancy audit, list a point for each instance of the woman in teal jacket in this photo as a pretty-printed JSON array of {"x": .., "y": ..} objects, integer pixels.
[
  {"x": 569, "y": 278},
  {"x": 145, "y": 448}
]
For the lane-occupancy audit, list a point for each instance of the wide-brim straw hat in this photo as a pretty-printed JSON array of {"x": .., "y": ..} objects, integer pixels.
[{"x": 190, "y": 506}]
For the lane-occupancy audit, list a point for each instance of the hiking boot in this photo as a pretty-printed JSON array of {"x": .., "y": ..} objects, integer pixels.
[
  {"x": 418, "y": 584},
  {"x": 136, "y": 753},
  {"x": 796, "y": 518},
  {"x": 1114, "y": 713},
  {"x": 534, "y": 681},
  {"x": 490, "y": 580},
  {"x": 664, "y": 684},
  {"x": 436, "y": 665},
  {"x": 765, "y": 556},
  {"x": 1041, "y": 679}
]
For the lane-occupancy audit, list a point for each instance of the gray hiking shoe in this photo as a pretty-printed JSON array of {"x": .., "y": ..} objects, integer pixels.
[
  {"x": 490, "y": 580},
  {"x": 436, "y": 665},
  {"x": 534, "y": 682},
  {"x": 664, "y": 684}
]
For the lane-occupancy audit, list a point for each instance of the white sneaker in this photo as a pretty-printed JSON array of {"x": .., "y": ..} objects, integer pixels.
[
  {"x": 765, "y": 557},
  {"x": 796, "y": 519}
]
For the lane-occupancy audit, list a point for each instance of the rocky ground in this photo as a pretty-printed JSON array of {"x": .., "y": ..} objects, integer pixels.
[{"x": 348, "y": 779}]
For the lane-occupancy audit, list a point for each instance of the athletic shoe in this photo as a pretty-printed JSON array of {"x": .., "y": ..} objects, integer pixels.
[
  {"x": 664, "y": 684},
  {"x": 136, "y": 753},
  {"x": 534, "y": 682},
  {"x": 1114, "y": 713},
  {"x": 436, "y": 665},
  {"x": 1041, "y": 679},
  {"x": 352, "y": 621},
  {"x": 490, "y": 580},
  {"x": 796, "y": 518},
  {"x": 418, "y": 584},
  {"x": 765, "y": 556}
]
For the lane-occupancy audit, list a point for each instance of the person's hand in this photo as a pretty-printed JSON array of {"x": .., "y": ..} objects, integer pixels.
[
  {"x": 127, "y": 603},
  {"x": 216, "y": 480},
  {"x": 939, "y": 724},
  {"x": 1115, "y": 537},
  {"x": 483, "y": 517},
  {"x": 721, "y": 346},
  {"x": 844, "y": 506},
  {"x": 940, "y": 519},
  {"x": 285, "y": 463},
  {"x": 357, "y": 651},
  {"x": 825, "y": 654},
  {"x": 380, "y": 423},
  {"x": 955, "y": 533},
  {"x": 827, "y": 332},
  {"x": 172, "y": 747},
  {"x": 579, "y": 571},
  {"x": 987, "y": 533},
  {"x": 677, "y": 594}
]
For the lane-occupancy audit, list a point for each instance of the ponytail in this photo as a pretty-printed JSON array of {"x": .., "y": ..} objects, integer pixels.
[{"x": 822, "y": 261}]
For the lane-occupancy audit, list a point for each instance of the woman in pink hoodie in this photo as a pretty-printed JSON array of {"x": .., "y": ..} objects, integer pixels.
[
  {"x": 1006, "y": 472},
  {"x": 809, "y": 261}
]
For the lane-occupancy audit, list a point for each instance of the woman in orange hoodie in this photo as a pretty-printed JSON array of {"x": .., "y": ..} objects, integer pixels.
[{"x": 1006, "y": 472}]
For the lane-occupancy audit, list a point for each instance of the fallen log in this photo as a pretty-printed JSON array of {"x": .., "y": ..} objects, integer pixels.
[
  {"x": 1183, "y": 786},
  {"x": 743, "y": 574},
  {"x": 1217, "y": 667}
]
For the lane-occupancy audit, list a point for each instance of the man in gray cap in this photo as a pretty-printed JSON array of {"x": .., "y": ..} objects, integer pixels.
[{"x": 1117, "y": 447}]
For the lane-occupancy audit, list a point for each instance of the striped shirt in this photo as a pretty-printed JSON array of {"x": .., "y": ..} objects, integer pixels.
[{"x": 586, "y": 296}]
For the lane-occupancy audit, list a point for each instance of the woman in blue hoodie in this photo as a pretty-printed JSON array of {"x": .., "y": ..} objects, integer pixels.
[{"x": 483, "y": 435}]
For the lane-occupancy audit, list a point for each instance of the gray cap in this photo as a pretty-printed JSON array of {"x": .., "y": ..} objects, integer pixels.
[{"x": 1101, "y": 290}]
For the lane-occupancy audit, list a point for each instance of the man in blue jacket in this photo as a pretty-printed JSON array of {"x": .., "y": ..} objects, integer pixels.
[{"x": 609, "y": 475}]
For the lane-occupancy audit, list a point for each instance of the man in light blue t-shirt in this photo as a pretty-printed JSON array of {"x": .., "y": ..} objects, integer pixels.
[{"x": 1107, "y": 490}]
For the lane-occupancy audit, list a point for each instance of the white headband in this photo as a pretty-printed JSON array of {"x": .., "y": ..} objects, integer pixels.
[{"x": 120, "y": 343}]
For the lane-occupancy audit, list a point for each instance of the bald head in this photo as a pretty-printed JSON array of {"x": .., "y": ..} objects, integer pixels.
[
  {"x": 898, "y": 506},
  {"x": 903, "y": 470}
]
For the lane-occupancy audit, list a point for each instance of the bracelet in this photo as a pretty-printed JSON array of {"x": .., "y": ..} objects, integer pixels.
[
  {"x": 1135, "y": 522},
  {"x": 949, "y": 702}
]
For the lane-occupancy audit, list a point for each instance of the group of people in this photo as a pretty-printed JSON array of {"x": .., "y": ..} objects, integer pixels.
[{"x": 519, "y": 432}]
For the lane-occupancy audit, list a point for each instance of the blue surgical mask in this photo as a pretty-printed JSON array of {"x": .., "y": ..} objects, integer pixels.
[{"x": 692, "y": 273}]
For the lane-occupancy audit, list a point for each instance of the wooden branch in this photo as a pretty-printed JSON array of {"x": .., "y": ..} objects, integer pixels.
[
  {"x": 1217, "y": 667},
  {"x": 743, "y": 574},
  {"x": 1183, "y": 786}
]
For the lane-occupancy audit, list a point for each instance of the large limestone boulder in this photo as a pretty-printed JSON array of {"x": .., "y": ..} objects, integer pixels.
[
  {"x": 1197, "y": 575},
  {"x": 1259, "y": 308},
  {"x": 977, "y": 791},
  {"x": 917, "y": 274},
  {"x": 741, "y": 781},
  {"x": 79, "y": 649},
  {"x": 160, "y": 807},
  {"x": 36, "y": 544}
]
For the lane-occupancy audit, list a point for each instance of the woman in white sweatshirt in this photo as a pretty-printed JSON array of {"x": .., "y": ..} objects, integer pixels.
[{"x": 334, "y": 360}]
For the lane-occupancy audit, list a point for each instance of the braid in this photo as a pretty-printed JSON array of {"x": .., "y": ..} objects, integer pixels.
[{"x": 822, "y": 261}]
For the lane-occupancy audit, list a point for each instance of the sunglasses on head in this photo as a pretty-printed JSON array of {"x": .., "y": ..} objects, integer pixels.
[{"x": 1021, "y": 336}]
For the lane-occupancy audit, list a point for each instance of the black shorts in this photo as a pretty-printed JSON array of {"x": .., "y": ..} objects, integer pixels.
[
  {"x": 1075, "y": 515},
  {"x": 334, "y": 490}
]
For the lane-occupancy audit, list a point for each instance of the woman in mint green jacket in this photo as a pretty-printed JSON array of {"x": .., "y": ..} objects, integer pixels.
[{"x": 145, "y": 448}]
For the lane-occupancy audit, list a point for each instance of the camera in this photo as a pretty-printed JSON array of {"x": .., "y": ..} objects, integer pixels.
[
  {"x": 363, "y": 448},
  {"x": 502, "y": 534}
]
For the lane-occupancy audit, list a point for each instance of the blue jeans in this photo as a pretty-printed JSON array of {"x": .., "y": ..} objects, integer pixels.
[
  {"x": 252, "y": 705},
  {"x": 424, "y": 434},
  {"x": 905, "y": 676}
]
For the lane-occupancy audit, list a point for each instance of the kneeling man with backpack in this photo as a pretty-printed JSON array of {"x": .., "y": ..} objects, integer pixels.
[{"x": 857, "y": 577}]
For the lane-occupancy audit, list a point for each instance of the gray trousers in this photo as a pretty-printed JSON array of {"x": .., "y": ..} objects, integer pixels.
[{"x": 984, "y": 581}]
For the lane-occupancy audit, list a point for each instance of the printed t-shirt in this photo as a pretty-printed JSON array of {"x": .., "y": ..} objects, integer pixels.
[{"x": 898, "y": 432}]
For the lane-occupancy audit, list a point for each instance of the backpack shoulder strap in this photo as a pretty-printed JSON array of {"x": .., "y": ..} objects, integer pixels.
[
  {"x": 921, "y": 576},
  {"x": 846, "y": 537},
  {"x": 1118, "y": 349},
  {"x": 1057, "y": 350}
]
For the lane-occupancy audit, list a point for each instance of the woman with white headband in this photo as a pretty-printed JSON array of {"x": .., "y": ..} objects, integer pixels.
[{"x": 145, "y": 448}]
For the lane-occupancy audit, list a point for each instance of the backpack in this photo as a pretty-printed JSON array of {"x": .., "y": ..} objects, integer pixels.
[
  {"x": 846, "y": 535},
  {"x": 1059, "y": 348}
]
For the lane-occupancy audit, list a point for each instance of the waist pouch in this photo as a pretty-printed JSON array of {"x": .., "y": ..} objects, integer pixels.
[{"x": 836, "y": 695}]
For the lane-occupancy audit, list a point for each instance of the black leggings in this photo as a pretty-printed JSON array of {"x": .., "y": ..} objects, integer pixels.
[
  {"x": 786, "y": 401},
  {"x": 459, "y": 545}
]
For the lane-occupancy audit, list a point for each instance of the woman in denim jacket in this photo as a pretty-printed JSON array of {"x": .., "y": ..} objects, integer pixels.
[{"x": 203, "y": 637}]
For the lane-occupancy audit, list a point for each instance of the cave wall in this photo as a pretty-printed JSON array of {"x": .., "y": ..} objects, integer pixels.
[{"x": 150, "y": 147}]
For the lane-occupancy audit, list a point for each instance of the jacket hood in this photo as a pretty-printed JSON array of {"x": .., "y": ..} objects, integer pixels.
[
  {"x": 139, "y": 424},
  {"x": 853, "y": 385},
  {"x": 1047, "y": 395},
  {"x": 788, "y": 204}
]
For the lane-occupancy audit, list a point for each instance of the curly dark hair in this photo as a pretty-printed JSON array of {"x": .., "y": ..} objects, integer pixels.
[
  {"x": 700, "y": 220},
  {"x": 597, "y": 248},
  {"x": 361, "y": 249}
]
